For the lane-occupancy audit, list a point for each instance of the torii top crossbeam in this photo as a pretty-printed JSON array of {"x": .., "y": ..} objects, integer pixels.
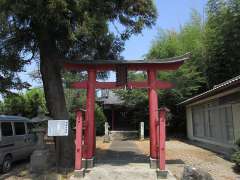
[
  {"x": 134, "y": 65},
  {"x": 130, "y": 65}
]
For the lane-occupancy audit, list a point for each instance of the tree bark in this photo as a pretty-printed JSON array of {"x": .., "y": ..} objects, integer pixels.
[{"x": 50, "y": 68}]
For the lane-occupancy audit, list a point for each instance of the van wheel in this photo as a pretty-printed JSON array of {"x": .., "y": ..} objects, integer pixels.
[{"x": 7, "y": 164}]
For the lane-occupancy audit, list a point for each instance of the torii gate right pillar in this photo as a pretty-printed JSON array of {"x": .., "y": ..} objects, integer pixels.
[{"x": 153, "y": 116}]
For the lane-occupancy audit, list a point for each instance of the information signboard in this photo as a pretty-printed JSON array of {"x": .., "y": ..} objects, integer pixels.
[{"x": 57, "y": 127}]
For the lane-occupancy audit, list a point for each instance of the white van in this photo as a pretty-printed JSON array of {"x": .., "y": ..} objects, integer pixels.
[{"x": 16, "y": 140}]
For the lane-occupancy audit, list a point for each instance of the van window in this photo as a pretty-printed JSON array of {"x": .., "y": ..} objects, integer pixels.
[
  {"x": 19, "y": 128},
  {"x": 30, "y": 127},
  {"x": 6, "y": 129}
]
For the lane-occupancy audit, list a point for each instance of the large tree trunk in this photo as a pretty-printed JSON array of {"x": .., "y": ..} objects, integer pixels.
[{"x": 50, "y": 68}]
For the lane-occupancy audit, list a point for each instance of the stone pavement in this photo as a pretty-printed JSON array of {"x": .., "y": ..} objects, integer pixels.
[
  {"x": 122, "y": 152},
  {"x": 121, "y": 161}
]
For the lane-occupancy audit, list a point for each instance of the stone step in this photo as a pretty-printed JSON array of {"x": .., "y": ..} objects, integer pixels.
[
  {"x": 132, "y": 171},
  {"x": 123, "y": 135}
]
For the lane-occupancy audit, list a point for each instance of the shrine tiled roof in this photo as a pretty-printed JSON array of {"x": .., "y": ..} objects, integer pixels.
[
  {"x": 110, "y": 98},
  {"x": 231, "y": 83}
]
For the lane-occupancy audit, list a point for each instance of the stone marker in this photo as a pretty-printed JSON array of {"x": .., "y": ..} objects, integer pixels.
[
  {"x": 106, "y": 135},
  {"x": 141, "y": 130},
  {"x": 192, "y": 173},
  {"x": 40, "y": 157}
]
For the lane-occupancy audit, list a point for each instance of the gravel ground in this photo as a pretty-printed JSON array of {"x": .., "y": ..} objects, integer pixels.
[
  {"x": 20, "y": 169},
  {"x": 180, "y": 154}
]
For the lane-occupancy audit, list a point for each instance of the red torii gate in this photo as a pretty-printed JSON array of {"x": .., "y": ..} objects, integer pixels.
[{"x": 152, "y": 84}]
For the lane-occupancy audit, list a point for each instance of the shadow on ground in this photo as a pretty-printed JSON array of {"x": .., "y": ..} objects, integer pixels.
[
  {"x": 19, "y": 169},
  {"x": 175, "y": 161},
  {"x": 236, "y": 169},
  {"x": 117, "y": 158}
]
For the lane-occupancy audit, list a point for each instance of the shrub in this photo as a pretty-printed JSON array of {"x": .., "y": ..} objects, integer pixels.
[
  {"x": 238, "y": 143},
  {"x": 236, "y": 156},
  {"x": 100, "y": 119}
]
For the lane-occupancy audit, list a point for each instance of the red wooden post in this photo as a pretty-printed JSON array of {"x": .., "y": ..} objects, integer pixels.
[
  {"x": 158, "y": 139},
  {"x": 162, "y": 137},
  {"x": 78, "y": 141},
  {"x": 113, "y": 85},
  {"x": 153, "y": 114},
  {"x": 89, "y": 137}
]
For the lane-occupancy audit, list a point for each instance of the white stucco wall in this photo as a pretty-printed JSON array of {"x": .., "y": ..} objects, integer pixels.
[
  {"x": 189, "y": 122},
  {"x": 236, "y": 120}
]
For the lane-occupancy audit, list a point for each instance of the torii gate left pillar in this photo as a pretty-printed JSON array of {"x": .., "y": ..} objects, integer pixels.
[
  {"x": 153, "y": 115},
  {"x": 89, "y": 135}
]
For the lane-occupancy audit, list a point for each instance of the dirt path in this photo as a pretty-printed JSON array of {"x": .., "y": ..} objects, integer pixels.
[{"x": 180, "y": 154}]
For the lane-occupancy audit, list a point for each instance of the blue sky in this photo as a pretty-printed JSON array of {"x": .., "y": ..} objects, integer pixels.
[{"x": 171, "y": 14}]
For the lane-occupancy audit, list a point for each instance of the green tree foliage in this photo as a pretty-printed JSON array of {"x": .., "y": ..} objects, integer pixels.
[
  {"x": 1, "y": 107},
  {"x": 9, "y": 70},
  {"x": 100, "y": 119},
  {"x": 222, "y": 40},
  {"x": 27, "y": 104},
  {"x": 53, "y": 30},
  {"x": 11, "y": 62},
  {"x": 76, "y": 99},
  {"x": 35, "y": 102},
  {"x": 189, "y": 79},
  {"x": 15, "y": 105},
  {"x": 136, "y": 100},
  {"x": 189, "y": 39}
]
